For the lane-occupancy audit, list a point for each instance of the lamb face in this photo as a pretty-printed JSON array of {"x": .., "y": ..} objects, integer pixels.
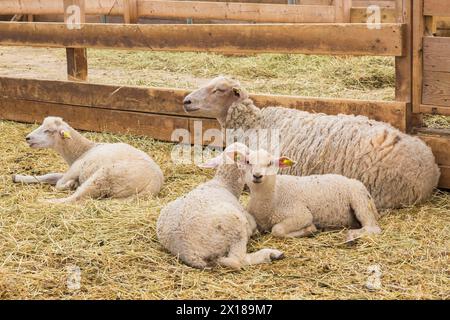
[
  {"x": 262, "y": 166},
  {"x": 215, "y": 98},
  {"x": 50, "y": 134}
]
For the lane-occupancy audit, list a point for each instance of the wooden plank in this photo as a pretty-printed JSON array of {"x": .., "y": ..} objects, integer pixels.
[
  {"x": 444, "y": 181},
  {"x": 237, "y": 11},
  {"x": 169, "y": 101},
  {"x": 130, "y": 11},
  {"x": 380, "y": 3},
  {"x": 342, "y": 9},
  {"x": 436, "y": 8},
  {"x": 133, "y": 9},
  {"x": 440, "y": 144},
  {"x": 436, "y": 88},
  {"x": 444, "y": 111},
  {"x": 403, "y": 70},
  {"x": 54, "y": 7},
  {"x": 94, "y": 119},
  {"x": 348, "y": 39},
  {"x": 359, "y": 15},
  {"x": 77, "y": 65},
  {"x": 417, "y": 58},
  {"x": 436, "y": 54}
]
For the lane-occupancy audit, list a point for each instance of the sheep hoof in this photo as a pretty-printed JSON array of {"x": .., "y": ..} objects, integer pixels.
[{"x": 276, "y": 255}]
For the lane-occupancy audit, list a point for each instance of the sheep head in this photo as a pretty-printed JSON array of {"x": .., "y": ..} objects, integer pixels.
[
  {"x": 52, "y": 133},
  {"x": 215, "y": 98},
  {"x": 261, "y": 165}
]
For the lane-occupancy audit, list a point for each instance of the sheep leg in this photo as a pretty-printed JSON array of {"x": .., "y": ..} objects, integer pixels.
[
  {"x": 50, "y": 178},
  {"x": 366, "y": 213},
  {"x": 238, "y": 256},
  {"x": 94, "y": 187},
  {"x": 296, "y": 225}
]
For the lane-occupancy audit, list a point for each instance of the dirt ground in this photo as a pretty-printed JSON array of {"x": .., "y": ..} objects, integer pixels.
[{"x": 113, "y": 244}]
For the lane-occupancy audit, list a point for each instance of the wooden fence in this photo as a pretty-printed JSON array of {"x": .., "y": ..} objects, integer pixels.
[{"x": 309, "y": 27}]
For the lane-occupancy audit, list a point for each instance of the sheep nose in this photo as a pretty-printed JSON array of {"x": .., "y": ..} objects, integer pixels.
[
  {"x": 27, "y": 138},
  {"x": 257, "y": 176},
  {"x": 187, "y": 102}
]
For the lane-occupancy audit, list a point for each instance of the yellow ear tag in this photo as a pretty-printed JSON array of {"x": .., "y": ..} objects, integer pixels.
[
  {"x": 288, "y": 162},
  {"x": 66, "y": 135},
  {"x": 237, "y": 157}
]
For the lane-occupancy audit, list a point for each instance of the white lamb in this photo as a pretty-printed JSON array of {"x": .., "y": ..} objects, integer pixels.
[
  {"x": 396, "y": 168},
  {"x": 209, "y": 227},
  {"x": 97, "y": 170},
  {"x": 291, "y": 206}
]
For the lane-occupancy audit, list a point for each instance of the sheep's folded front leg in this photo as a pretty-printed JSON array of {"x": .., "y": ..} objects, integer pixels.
[
  {"x": 51, "y": 178},
  {"x": 299, "y": 223}
]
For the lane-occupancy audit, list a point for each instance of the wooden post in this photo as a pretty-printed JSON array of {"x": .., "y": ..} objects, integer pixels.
[
  {"x": 130, "y": 11},
  {"x": 417, "y": 64},
  {"x": 74, "y": 17},
  {"x": 403, "y": 65},
  {"x": 343, "y": 11}
]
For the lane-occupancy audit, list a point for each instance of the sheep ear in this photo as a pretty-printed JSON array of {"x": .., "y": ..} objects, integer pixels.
[
  {"x": 237, "y": 91},
  {"x": 212, "y": 163},
  {"x": 65, "y": 134},
  {"x": 236, "y": 156},
  {"x": 285, "y": 162}
]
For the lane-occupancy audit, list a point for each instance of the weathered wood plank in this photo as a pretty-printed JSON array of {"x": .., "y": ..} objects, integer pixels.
[
  {"x": 417, "y": 55},
  {"x": 437, "y": 8},
  {"x": 133, "y": 9},
  {"x": 436, "y": 54},
  {"x": 436, "y": 88},
  {"x": 440, "y": 144},
  {"x": 95, "y": 119},
  {"x": 349, "y": 39},
  {"x": 425, "y": 108},
  {"x": 444, "y": 181},
  {"x": 169, "y": 100},
  {"x": 237, "y": 11},
  {"x": 359, "y": 15}
]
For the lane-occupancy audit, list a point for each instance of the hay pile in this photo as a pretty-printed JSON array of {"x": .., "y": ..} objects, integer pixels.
[{"x": 114, "y": 244}]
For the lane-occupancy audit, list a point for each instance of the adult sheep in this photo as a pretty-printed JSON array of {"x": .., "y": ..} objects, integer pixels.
[{"x": 397, "y": 169}]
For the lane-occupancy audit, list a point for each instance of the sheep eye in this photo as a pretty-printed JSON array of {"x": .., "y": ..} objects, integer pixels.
[
  {"x": 47, "y": 131},
  {"x": 219, "y": 90},
  {"x": 270, "y": 163},
  {"x": 247, "y": 162}
]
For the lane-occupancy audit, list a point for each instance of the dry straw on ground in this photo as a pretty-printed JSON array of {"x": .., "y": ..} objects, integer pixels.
[{"x": 114, "y": 244}]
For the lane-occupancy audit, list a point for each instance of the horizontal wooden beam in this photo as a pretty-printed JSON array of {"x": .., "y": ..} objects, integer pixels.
[
  {"x": 436, "y": 8},
  {"x": 436, "y": 88},
  {"x": 440, "y": 144},
  {"x": 168, "y": 101},
  {"x": 94, "y": 119},
  {"x": 337, "y": 39},
  {"x": 236, "y": 11},
  {"x": 441, "y": 110},
  {"x": 359, "y": 15},
  {"x": 186, "y": 9}
]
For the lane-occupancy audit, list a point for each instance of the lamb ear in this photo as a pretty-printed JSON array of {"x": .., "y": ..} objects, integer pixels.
[
  {"x": 212, "y": 163},
  {"x": 65, "y": 134},
  {"x": 236, "y": 156},
  {"x": 285, "y": 162}
]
